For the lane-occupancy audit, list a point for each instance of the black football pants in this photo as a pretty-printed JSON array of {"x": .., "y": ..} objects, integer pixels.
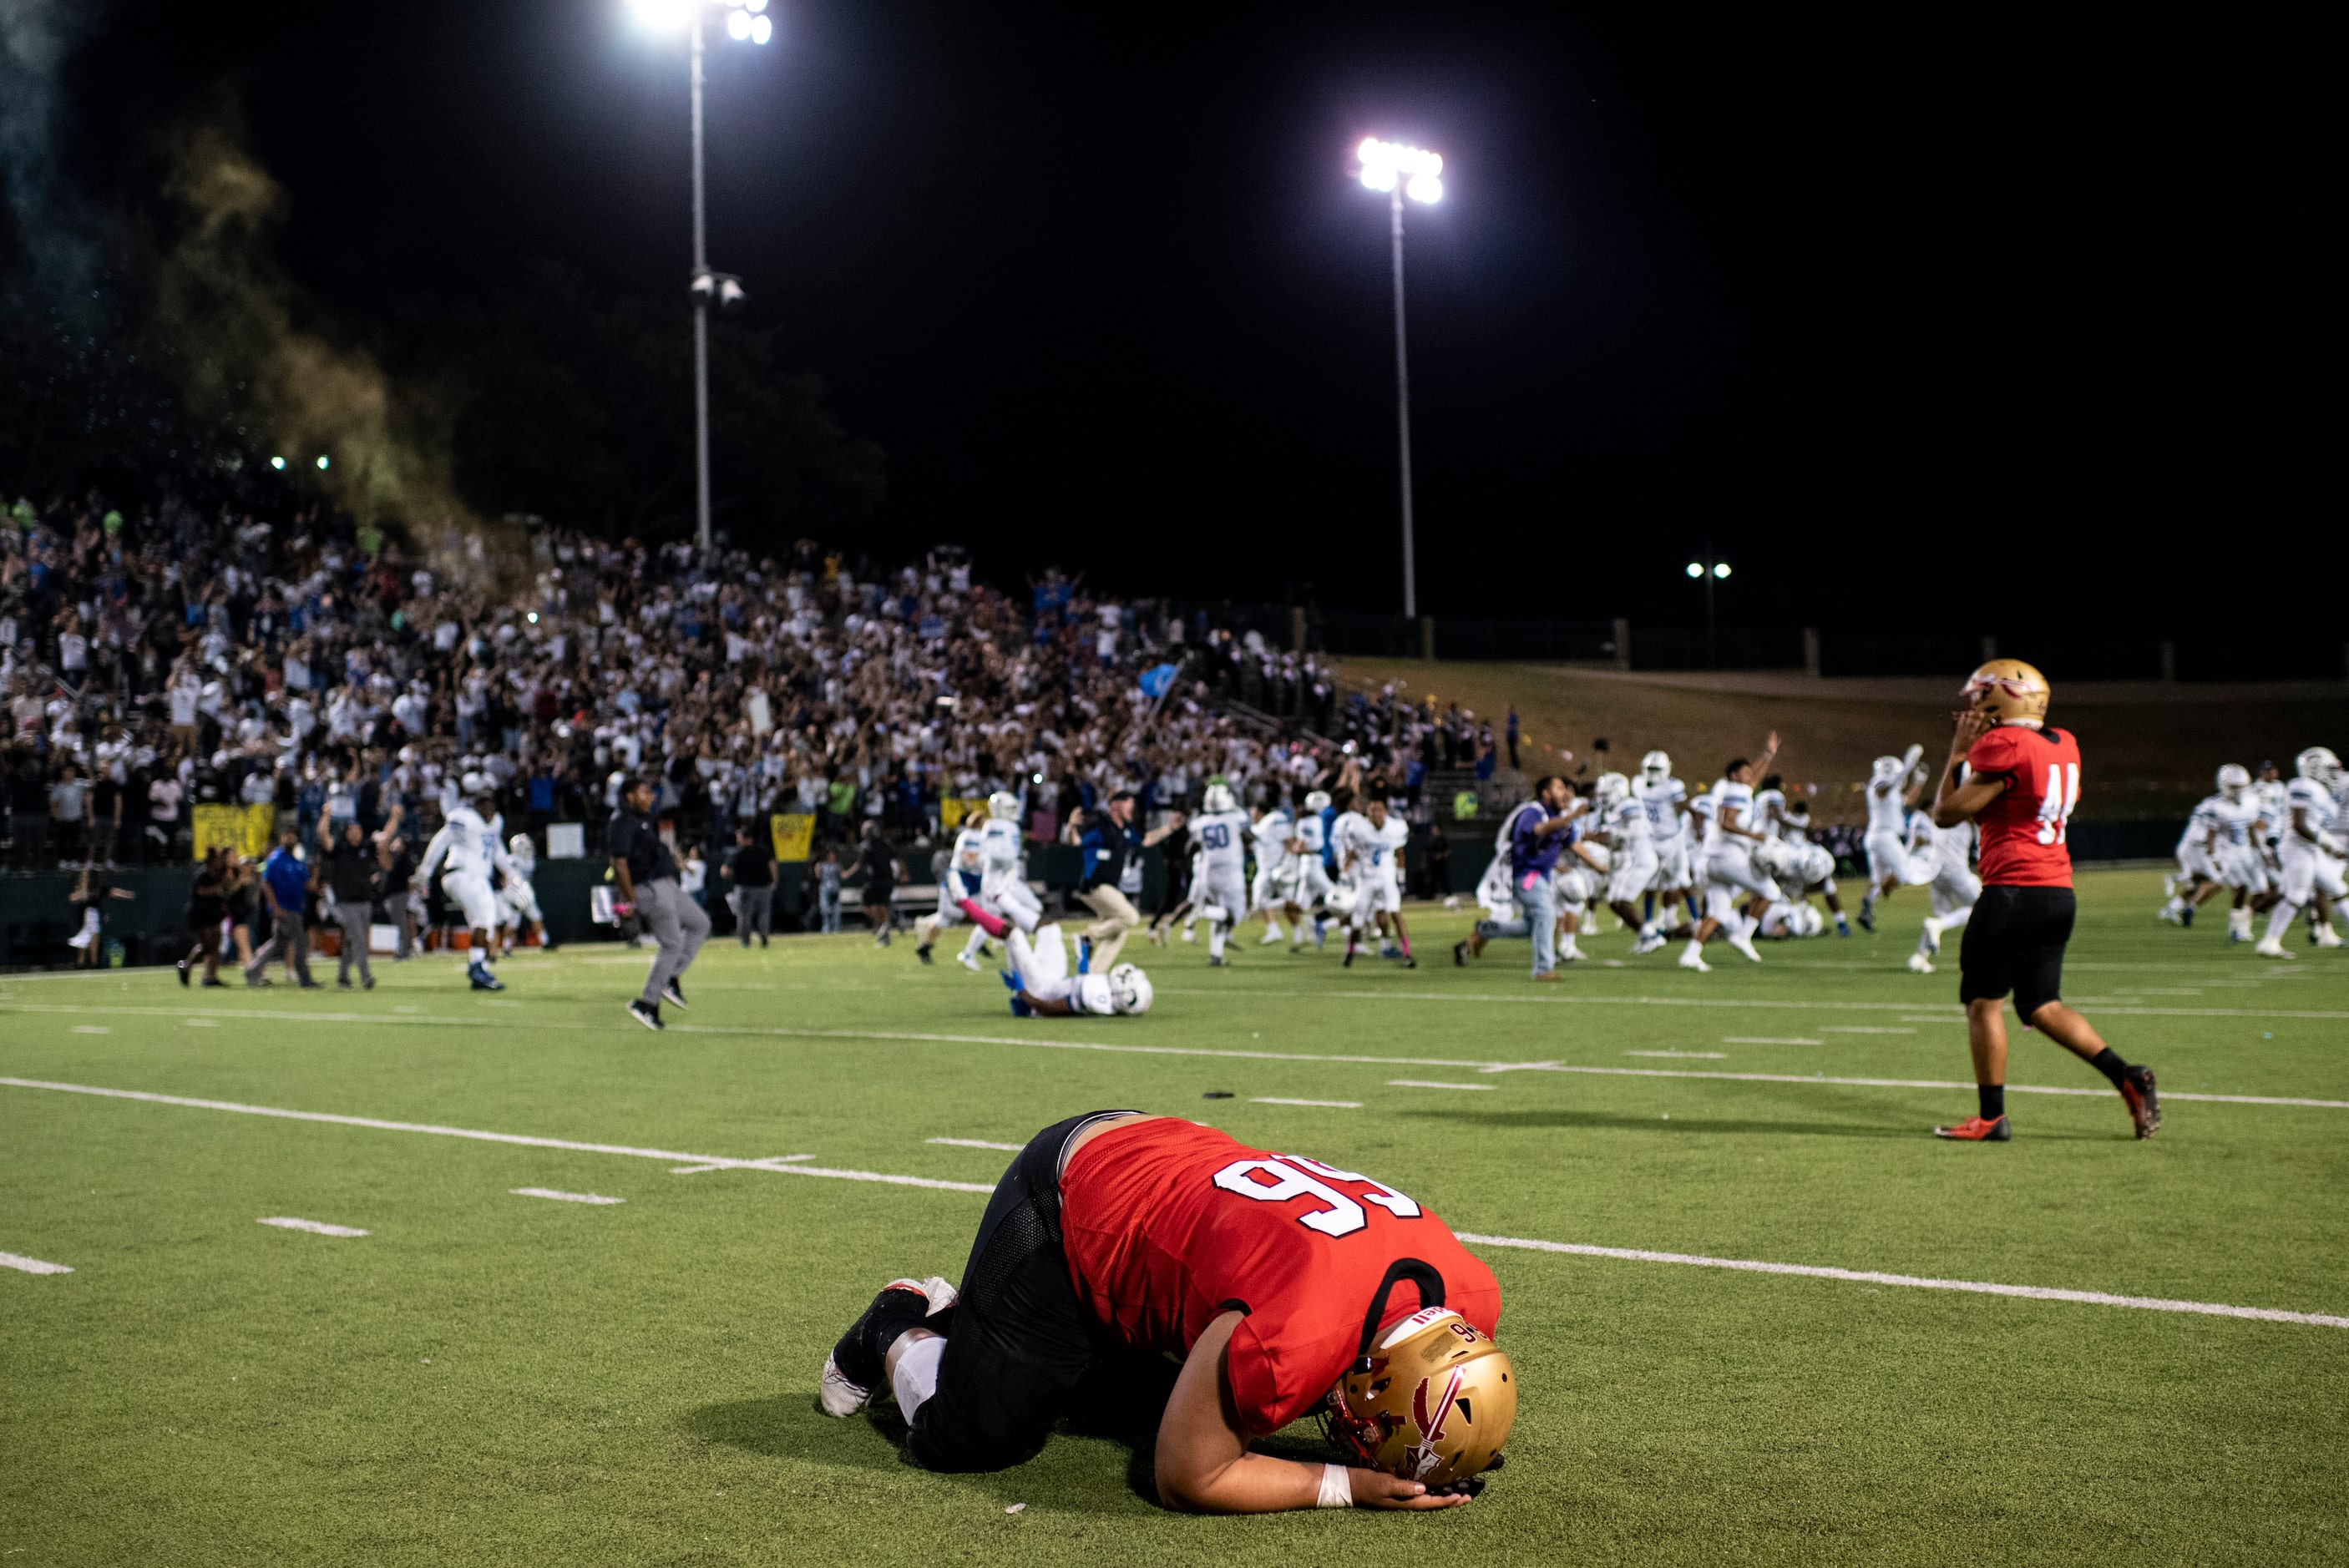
[{"x": 1019, "y": 1346}]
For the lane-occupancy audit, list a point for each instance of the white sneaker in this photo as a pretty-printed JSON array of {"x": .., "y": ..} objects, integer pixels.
[
  {"x": 1919, "y": 965},
  {"x": 1693, "y": 958},
  {"x": 1189, "y": 935},
  {"x": 1648, "y": 944},
  {"x": 1744, "y": 944},
  {"x": 1932, "y": 939},
  {"x": 968, "y": 960},
  {"x": 2327, "y": 937},
  {"x": 2268, "y": 947},
  {"x": 1271, "y": 936}
]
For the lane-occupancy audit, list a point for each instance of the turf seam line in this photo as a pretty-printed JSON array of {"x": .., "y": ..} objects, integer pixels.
[
  {"x": 23, "y": 1264},
  {"x": 316, "y": 1227},
  {"x": 711, "y": 1161},
  {"x": 565, "y": 1197},
  {"x": 1914, "y": 1281}
]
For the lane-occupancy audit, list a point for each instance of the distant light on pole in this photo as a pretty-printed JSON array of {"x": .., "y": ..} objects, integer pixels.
[
  {"x": 1696, "y": 569},
  {"x": 277, "y": 463},
  {"x": 1399, "y": 170},
  {"x": 322, "y": 463},
  {"x": 1721, "y": 569},
  {"x": 746, "y": 21}
]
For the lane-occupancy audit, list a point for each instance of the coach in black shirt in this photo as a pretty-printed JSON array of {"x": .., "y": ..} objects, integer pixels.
[
  {"x": 752, "y": 867},
  {"x": 352, "y": 868},
  {"x": 646, "y": 874}
]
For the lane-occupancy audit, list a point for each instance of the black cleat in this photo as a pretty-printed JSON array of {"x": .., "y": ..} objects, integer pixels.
[
  {"x": 857, "y": 1364},
  {"x": 921, "y": 952},
  {"x": 183, "y": 971},
  {"x": 647, "y": 1014},
  {"x": 673, "y": 994},
  {"x": 2144, "y": 1104},
  {"x": 1460, "y": 954}
]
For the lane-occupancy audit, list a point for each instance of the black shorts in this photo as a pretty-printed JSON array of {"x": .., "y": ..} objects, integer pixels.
[
  {"x": 2014, "y": 941},
  {"x": 1021, "y": 1351}
]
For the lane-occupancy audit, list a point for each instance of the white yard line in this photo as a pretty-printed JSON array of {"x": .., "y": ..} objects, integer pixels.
[
  {"x": 1437, "y": 1083},
  {"x": 565, "y": 1197},
  {"x": 1861, "y": 1029},
  {"x": 766, "y": 1164},
  {"x": 1716, "y": 1056},
  {"x": 1567, "y": 998},
  {"x": 2035, "y": 1293},
  {"x": 705, "y": 1161},
  {"x": 23, "y": 1264},
  {"x": 1331, "y": 1104},
  {"x": 977, "y": 1143},
  {"x": 1914, "y": 1281},
  {"x": 1768, "y": 1040},
  {"x": 316, "y": 1227}
]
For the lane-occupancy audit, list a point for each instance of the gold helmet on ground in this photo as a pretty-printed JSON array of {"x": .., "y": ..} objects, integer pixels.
[
  {"x": 2007, "y": 690},
  {"x": 1432, "y": 1401}
]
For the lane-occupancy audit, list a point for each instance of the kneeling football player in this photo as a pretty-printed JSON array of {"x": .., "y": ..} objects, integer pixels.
[
  {"x": 1272, "y": 1277},
  {"x": 1041, "y": 985}
]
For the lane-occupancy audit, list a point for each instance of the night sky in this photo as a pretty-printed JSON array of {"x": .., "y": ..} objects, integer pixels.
[{"x": 1946, "y": 319}]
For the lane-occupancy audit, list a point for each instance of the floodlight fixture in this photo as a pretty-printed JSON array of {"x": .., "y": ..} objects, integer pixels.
[
  {"x": 1696, "y": 569},
  {"x": 1721, "y": 569},
  {"x": 1399, "y": 170},
  {"x": 277, "y": 463},
  {"x": 322, "y": 463},
  {"x": 1386, "y": 164}
]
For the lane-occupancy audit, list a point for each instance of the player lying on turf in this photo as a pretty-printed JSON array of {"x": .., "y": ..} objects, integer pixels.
[
  {"x": 1119, "y": 1236},
  {"x": 1041, "y": 985}
]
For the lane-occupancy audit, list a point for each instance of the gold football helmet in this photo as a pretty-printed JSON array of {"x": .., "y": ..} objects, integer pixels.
[
  {"x": 1432, "y": 1401},
  {"x": 2007, "y": 689}
]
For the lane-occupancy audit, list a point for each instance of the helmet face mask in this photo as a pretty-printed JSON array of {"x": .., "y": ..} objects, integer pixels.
[
  {"x": 1656, "y": 767},
  {"x": 1432, "y": 1402},
  {"x": 2008, "y": 691},
  {"x": 1003, "y": 805},
  {"x": 1129, "y": 990}
]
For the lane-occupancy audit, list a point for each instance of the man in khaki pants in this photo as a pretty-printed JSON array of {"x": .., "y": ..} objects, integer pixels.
[{"x": 1112, "y": 875}]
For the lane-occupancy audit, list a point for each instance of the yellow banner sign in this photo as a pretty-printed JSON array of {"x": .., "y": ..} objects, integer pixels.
[
  {"x": 953, "y": 809},
  {"x": 244, "y": 828},
  {"x": 792, "y": 835}
]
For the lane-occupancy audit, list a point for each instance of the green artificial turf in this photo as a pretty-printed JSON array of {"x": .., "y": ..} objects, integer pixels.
[{"x": 486, "y": 1378}]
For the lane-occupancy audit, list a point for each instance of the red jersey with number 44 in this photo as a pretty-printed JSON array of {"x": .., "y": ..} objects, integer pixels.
[
  {"x": 2023, "y": 830},
  {"x": 1168, "y": 1225}
]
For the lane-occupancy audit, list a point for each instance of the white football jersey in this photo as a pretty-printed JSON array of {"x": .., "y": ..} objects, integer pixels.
[
  {"x": 1627, "y": 824},
  {"x": 1272, "y": 832},
  {"x": 2234, "y": 818},
  {"x": 2308, "y": 797},
  {"x": 1729, "y": 798},
  {"x": 1953, "y": 845},
  {"x": 1386, "y": 845},
  {"x": 1000, "y": 846},
  {"x": 2270, "y": 794},
  {"x": 971, "y": 852},
  {"x": 1222, "y": 838},
  {"x": 1767, "y": 804},
  {"x": 1310, "y": 831},
  {"x": 1887, "y": 811},
  {"x": 469, "y": 846},
  {"x": 1662, "y": 803}
]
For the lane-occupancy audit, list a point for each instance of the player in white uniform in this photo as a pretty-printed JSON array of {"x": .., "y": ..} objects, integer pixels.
[
  {"x": 1041, "y": 985},
  {"x": 966, "y": 875},
  {"x": 2198, "y": 876},
  {"x": 1274, "y": 891},
  {"x": 1729, "y": 869},
  {"x": 2310, "y": 855},
  {"x": 470, "y": 845},
  {"x": 1662, "y": 797},
  {"x": 518, "y": 901},
  {"x": 1370, "y": 854},
  {"x": 1622, "y": 822},
  {"x": 2223, "y": 850},
  {"x": 1219, "y": 882},
  {"x": 1580, "y": 876},
  {"x": 1893, "y": 786},
  {"x": 1954, "y": 889},
  {"x": 1313, "y": 884},
  {"x": 1810, "y": 868}
]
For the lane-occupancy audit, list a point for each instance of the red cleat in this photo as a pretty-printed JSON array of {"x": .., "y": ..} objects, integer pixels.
[
  {"x": 1974, "y": 1129},
  {"x": 2144, "y": 1106}
]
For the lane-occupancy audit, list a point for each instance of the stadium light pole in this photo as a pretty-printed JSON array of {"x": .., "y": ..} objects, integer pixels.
[
  {"x": 1399, "y": 171},
  {"x": 746, "y": 20},
  {"x": 1711, "y": 572}
]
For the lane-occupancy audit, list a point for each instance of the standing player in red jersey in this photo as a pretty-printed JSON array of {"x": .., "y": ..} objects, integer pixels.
[
  {"x": 2017, "y": 777},
  {"x": 1119, "y": 1236}
]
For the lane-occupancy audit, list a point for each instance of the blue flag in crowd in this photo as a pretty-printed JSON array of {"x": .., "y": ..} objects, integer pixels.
[{"x": 1157, "y": 679}]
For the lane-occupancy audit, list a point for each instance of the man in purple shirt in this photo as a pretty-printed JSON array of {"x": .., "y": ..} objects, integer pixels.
[{"x": 1540, "y": 831}]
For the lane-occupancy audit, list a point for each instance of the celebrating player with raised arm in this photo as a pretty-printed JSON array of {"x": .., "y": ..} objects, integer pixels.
[
  {"x": 2016, "y": 777},
  {"x": 1121, "y": 1237}
]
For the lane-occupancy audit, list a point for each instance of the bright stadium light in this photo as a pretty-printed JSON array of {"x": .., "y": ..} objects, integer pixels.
[
  {"x": 277, "y": 463},
  {"x": 1721, "y": 569},
  {"x": 1709, "y": 571},
  {"x": 1696, "y": 569},
  {"x": 746, "y": 22},
  {"x": 1399, "y": 171},
  {"x": 322, "y": 463}
]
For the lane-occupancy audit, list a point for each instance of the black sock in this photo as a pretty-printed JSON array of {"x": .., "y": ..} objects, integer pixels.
[
  {"x": 2108, "y": 1062},
  {"x": 1994, "y": 1100}
]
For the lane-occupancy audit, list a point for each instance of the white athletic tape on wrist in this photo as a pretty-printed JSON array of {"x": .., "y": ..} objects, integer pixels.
[{"x": 1337, "y": 1488}]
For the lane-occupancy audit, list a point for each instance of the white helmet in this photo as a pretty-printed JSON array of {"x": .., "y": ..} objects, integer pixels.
[
  {"x": 1886, "y": 768},
  {"x": 1774, "y": 856},
  {"x": 2233, "y": 780},
  {"x": 2319, "y": 764},
  {"x": 1813, "y": 864},
  {"x": 1318, "y": 801},
  {"x": 1003, "y": 806},
  {"x": 1611, "y": 787},
  {"x": 1655, "y": 767},
  {"x": 1340, "y": 900},
  {"x": 524, "y": 852},
  {"x": 1218, "y": 796},
  {"x": 1129, "y": 990},
  {"x": 1803, "y": 920},
  {"x": 473, "y": 784}
]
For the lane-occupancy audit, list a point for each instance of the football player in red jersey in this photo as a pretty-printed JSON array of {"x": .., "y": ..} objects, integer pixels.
[
  {"x": 1272, "y": 1277},
  {"x": 2016, "y": 776}
]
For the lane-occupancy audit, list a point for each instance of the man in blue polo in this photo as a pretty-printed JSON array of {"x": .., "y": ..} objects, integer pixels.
[
  {"x": 286, "y": 881},
  {"x": 1539, "y": 832}
]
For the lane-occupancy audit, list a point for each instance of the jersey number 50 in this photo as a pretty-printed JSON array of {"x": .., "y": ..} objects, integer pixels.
[
  {"x": 1289, "y": 1179},
  {"x": 1216, "y": 836}
]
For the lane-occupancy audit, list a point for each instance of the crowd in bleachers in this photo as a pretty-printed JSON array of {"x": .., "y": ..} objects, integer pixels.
[{"x": 158, "y": 658}]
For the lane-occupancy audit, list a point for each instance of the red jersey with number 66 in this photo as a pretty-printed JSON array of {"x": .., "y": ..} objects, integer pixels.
[
  {"x": 2023, "y": 830},
  {"x": 1168, "y": 1225}
]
